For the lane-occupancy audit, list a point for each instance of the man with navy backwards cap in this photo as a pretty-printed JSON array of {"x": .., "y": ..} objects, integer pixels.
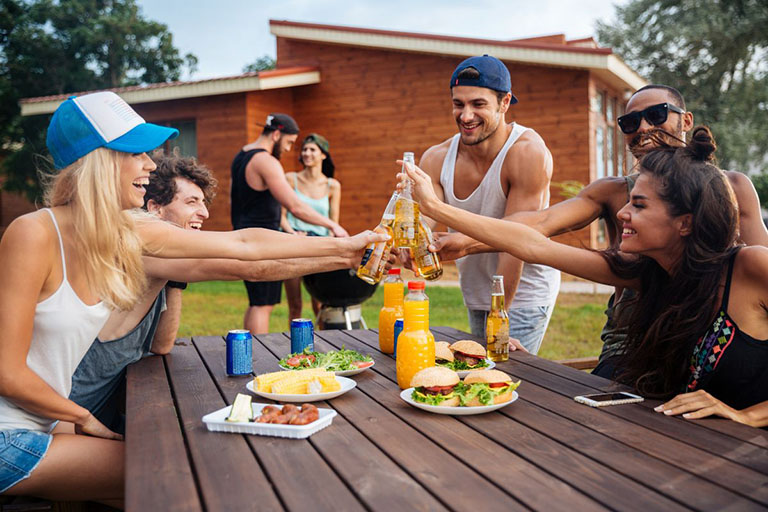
[
  {"x": 259, "y": 190},
  {"x": 495, "y": 168}
]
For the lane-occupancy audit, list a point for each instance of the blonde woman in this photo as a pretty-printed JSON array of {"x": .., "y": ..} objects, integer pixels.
[
  {"x": 315, "y": 186},
  {"x": 62, "y": 270}
]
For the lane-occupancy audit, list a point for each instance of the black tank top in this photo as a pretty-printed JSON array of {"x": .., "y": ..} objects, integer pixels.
[
  {"x": 729, "y": 364},
  {"x": 251, "y": 208}
]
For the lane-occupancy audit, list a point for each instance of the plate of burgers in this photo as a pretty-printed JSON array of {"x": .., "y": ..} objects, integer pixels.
[
  {"x": 462, "y": 357},
  {"x": 439, "y": 390}
]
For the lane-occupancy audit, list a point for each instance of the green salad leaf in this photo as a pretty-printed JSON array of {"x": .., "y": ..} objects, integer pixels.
[
  {"x": 429, "y": 399},
  {"x": 459, "y": 366},
  {"x": 333, "y": 360}
]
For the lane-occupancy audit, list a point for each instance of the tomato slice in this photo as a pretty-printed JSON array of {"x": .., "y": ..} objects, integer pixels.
[
  {"x": 438, "y": 389},
  {"x": 498, "y": 384},
  {"x": 363, "y": 364},
  {"x": 294, "y": 361},
  {"x": 306, "y": 356}
]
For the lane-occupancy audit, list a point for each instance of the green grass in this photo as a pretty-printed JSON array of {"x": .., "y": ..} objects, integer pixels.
[{"x": 213, "y": 308}]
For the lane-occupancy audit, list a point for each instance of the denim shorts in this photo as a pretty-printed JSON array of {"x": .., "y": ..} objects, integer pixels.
[
  {"x": 525, "y": 324},
  {"x": 20, "y": 453}
]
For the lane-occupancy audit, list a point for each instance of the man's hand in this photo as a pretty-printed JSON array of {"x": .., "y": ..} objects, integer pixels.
[
  {"x": 354, "y": 245},
  {"x": 93, "y": 427},
  {"x": 514, "y": 344},
  {"x": 404, "y": 255},
  {"x": 450, "y": 246}
]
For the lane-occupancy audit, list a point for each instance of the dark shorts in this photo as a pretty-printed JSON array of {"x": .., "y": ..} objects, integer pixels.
[{"x": 264, "y": 293}]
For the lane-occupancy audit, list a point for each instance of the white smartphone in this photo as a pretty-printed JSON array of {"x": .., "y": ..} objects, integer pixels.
[{"x": 606, "y": 399}]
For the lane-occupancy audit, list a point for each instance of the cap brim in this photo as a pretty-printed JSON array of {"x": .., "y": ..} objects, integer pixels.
[
  {"x": 144, "y": 137},
  {"x": 512, "y": 100}
]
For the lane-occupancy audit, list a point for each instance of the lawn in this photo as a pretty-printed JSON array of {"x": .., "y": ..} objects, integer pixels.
[{"x": 216, "y": 307}]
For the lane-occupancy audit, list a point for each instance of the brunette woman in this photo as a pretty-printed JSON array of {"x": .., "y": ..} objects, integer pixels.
[{"x": 698, "y": 328}]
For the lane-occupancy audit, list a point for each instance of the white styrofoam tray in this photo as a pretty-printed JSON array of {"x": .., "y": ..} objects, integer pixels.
[{"x": 216, "y": 422}]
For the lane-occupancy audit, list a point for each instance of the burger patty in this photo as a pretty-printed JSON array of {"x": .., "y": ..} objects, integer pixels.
[
  {"x": 470, "y": 360},
  {"x": 438, "y": 390}
]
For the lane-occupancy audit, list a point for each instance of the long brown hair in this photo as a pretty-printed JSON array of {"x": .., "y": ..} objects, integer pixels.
[{"x": 671, "y": 311}]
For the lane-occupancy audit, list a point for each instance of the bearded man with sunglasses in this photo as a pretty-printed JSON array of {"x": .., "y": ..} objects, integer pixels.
[{"x": 654, "y": 114}]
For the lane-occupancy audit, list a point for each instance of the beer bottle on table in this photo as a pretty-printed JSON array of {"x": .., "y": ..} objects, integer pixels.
[
  {"x": 406, "y": 213},
  {"x": 415, "y": 345},
  {"x": 427, "y": 262},
  {"x": 392, "y": 310},
  {"x": 377, "y": 253},
  {"x": 497, "y": 324}
]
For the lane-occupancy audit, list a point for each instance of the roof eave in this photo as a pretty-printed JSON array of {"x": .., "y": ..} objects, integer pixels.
[
  {"x": 608, "y": 66},
  {"x": 192, "y": 90}
]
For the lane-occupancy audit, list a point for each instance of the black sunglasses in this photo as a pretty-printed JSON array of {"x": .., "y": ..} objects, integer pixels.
[{"x": 655, "y": 115}]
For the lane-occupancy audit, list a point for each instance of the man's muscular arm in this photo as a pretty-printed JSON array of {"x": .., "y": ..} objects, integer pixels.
[
  {"x": 592, "y": 202},
  {"x": 752, "y": 230}
]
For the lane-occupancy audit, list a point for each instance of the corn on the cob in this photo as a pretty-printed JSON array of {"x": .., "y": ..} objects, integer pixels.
[{"x": 294, "y": 382}]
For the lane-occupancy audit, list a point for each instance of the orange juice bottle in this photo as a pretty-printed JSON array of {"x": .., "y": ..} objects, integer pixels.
[
  {"x": 392, "y": 310},
  {"x": 415, "y": 349}
]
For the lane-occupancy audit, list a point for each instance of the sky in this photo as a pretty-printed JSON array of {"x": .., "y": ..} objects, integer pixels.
[{"x": 226, "y": 35}]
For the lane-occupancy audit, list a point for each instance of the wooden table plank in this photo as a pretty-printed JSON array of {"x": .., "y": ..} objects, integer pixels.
[
  {"x": 694, "y": 433},
  {"x": 610, "y": 487},
  {"x": 301, "y": 477},
  {"x": 372, "y": 475},
  {"x": 156, "y": 465},
  {"x": 532, "y": 486},
  {"x": 416, "y": 453},
  {"x": 717, "y": 470},
  {"x": 229, "y": 477}
]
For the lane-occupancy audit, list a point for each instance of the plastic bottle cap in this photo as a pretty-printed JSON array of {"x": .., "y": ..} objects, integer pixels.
[
  {"x": 416, "y": 285},
  {"x": 394, "y": 271}
]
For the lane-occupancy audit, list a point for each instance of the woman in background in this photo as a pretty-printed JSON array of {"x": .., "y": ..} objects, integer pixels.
[{"x": 315, "y": 186}]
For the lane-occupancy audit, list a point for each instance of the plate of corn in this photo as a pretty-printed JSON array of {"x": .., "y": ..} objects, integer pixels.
[{"x": 308, "y": 385}]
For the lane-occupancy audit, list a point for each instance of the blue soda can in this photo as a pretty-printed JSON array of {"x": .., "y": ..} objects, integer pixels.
[
  {"x": 239, "y": 352},
  {"x": 398, "y": 330},
  {"x": 302, "y": 335}
]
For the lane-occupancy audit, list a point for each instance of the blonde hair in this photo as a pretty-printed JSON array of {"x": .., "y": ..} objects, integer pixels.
[{"x": 106, "y": 241}]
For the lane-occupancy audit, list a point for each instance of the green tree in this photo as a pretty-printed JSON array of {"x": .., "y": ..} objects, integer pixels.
[
  {"x": 716, "y": 53},
  {"x": 50, "y": 47},
  {"x": 261, "y": 64}
]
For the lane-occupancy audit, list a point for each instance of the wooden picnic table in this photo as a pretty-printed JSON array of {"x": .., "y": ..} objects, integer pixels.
[{"x": 542, "y": 452}]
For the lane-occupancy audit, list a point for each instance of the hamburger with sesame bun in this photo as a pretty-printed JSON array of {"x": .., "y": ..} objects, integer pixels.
[
  {"x": 468, "y": 355},
  {"x": 435, "y": 386},
  {"x": 487, "y": 387},
  {"x": 443, "y": 354}
]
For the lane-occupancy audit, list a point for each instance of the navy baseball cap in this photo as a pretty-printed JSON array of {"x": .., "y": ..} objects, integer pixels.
[
  {"x": 102, "y": 119},
  {"x": 493, "y": 74}
]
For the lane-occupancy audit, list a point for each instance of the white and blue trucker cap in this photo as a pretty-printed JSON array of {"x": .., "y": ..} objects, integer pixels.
[{"x": 102, "y": 119}]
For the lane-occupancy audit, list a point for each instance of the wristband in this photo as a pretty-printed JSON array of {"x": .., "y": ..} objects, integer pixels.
[{"x": 177, "y": 284}]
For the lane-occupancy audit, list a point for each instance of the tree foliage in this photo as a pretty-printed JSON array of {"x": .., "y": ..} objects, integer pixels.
[
  {"x": 50, "y": 47},
  {"x": 262, "y": 63},
  {"x": 716, "y": 53}
]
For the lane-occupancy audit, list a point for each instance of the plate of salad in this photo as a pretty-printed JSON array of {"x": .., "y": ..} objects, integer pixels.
[{"x": 344, "y": 362}]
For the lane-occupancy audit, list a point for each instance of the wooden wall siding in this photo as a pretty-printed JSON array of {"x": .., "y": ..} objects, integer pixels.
[{"x": 372, "y": 105}]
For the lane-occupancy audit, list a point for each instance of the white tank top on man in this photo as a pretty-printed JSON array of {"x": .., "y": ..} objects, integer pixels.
[
  {"x": 64, "y": 328},
  {"x": 539, "y": 284}
]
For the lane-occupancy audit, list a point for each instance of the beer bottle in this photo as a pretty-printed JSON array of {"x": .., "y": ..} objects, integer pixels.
[
  {"x": 497, "y": 324},
  {"x": 427, "y": 262},
  {"x": 376, "y": 253},
  {"x": 406, "y": 213}
]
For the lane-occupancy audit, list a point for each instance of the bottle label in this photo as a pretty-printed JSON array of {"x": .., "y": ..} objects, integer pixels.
[
  {"x": 367, "y": 255},
  {"x": 428, "y": 260},
  {"x": 409, "y": 234}
]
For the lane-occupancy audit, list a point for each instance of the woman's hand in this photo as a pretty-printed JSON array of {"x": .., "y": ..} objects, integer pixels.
[
  {"x": 339, "y": 231},
  {"x": 700, "y": 404},
  {"x": 355, "y": 245},
  {"x": 93, "y": 427},
  {"x": 423, "y": 192}
]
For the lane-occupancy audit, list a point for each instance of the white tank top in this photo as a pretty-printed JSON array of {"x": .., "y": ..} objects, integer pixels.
[
  {"x": 539, "y": 284},
  {"x": 64, "y": 328}
]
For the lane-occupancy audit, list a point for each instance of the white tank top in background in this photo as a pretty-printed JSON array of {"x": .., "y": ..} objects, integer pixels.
[
  {"x": 539, "y": 284},
  {"x": 64, "y": 328}
]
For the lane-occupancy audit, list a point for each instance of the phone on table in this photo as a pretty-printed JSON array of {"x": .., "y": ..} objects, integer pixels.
[{"x": 606, "y": 399}]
